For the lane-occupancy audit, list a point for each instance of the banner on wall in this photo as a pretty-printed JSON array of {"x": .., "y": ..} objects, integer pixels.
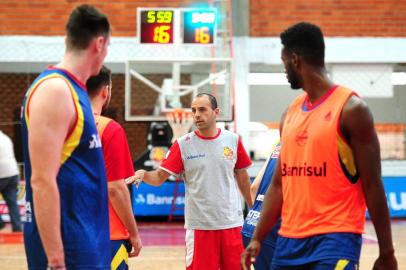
[
  {"x": 395, "y": 189},
  {"x": 157, "y": 201}
]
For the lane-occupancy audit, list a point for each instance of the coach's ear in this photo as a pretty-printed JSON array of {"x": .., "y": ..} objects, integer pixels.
[{"x": 217, "y": 111}]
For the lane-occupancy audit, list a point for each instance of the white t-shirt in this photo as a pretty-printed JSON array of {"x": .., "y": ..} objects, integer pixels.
[
  {"x": 8, "y": 163},
  {"x": 207, "y": 165}
]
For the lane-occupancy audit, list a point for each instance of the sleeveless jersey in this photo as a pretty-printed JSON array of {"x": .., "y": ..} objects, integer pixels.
[
  {"x": 81, "y": 183},
  {"x": 253, "y": 215},
  {"x": 117, "y": 229},
  {"x": 320, "y": 186}
]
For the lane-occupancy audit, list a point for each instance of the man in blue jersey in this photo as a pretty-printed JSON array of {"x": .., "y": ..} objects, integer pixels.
[
  {"x": 258, "y": 190},
  {"x": 66, "y": 203}
]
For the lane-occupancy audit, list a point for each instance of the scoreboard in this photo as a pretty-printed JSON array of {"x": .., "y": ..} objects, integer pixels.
[
  {"x": 176, "y": 26},
  {"x": 198, "y": 27},
  {"x": 156, "y": 26}
]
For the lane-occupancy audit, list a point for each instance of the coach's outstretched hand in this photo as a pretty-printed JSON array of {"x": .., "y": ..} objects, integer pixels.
[
  {"x": 137, "y": 178},
  {"x": 249, "y": 254}
]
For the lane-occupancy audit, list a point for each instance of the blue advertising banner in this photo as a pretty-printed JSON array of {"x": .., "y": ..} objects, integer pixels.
[
  {"x": 157, "y": 201},
  {"x": 395, "y": 189}
]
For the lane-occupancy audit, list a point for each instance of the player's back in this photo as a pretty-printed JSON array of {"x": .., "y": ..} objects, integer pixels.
[{"x": 81, "y": 183}]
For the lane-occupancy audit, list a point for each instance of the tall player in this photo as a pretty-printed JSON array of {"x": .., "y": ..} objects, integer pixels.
[
  {"x": 213, "y": 163},
  {"x": 329, "y": 170},
  {"x": 66, "y": 211},
  {"x": 119, "y": 166}
]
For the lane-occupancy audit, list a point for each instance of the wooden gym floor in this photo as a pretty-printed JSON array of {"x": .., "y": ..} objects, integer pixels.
[{"x": 164, "y": 248}]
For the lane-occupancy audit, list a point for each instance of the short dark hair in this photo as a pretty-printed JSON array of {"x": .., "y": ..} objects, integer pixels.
[
  {"x": 305, "y": 39},
  {"x": 212, "y": 99},
  {"x": 95, "y": 83},
  {"x": 85, "y": 23}
]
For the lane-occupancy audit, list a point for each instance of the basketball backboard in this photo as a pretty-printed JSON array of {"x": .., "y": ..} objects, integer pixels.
[{"x": 154, "y": 87}]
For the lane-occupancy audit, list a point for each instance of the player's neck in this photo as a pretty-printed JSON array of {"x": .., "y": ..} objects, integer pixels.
[
  {"x": 316, "y": 84},
  {"x": 78, "y": 64},
  {"x": 97, "y": 110}
]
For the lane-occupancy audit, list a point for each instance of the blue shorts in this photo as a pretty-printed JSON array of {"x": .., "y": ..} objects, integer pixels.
[
  {"x": 342, "y": 264},
  {"x": 328, "y": 248},
  {"x": 264, "y": 258},
  {"x": 79, "y": 254},
  {"x": 119, "y": 254}
]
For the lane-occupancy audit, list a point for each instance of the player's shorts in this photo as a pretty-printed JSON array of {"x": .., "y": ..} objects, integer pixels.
[
  {"x": 341, "y": 264},
  {"x": 213, "y": 249},
  {"x": 264, "y": 259},
  {"x": 119, "y": 254},
  {"x": 79, "y": 254},
  {"x": 341, "y": 251}
]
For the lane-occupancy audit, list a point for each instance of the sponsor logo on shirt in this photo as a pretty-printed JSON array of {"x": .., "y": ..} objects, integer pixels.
[
  {"x": 228, "y": 152},
  {"x": 252, "y": 218},
  {"x": 304, "y": 170},
  {"x": 95, "y": 142},
  {"x": 196, "y": 156},
  {"x": 28, "y": 212},
  {"x": 301, "y": 138}
]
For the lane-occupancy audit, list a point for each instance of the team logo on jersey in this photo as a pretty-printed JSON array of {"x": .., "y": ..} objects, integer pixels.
[
  {"x": 301, "y": 138},
  {"x": 228, "y": 152}
]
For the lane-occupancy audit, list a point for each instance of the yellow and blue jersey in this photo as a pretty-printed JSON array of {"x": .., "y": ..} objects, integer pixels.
[{"x": 82, "y": 187}]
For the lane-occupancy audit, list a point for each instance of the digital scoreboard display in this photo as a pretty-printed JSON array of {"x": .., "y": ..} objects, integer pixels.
[
  {"x": 156, "y": 26},
  {"x": 198, "y": 27}
]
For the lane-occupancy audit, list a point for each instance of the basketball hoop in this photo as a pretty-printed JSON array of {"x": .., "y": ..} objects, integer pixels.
[{"x": 180, "y": 121}]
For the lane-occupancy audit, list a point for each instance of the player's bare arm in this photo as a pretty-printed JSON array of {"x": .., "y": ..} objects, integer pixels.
[
  {"x": 121, "y": 202},
  {"x": 51, "y": 115},
  {"x": 244, "y": 184},
  {"x": 358, "y": 127}
]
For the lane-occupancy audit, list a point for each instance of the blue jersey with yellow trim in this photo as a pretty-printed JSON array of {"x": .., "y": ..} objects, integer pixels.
[
  {"x": 82, "y": 187},
  {"x": 253, "y": 215}
]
